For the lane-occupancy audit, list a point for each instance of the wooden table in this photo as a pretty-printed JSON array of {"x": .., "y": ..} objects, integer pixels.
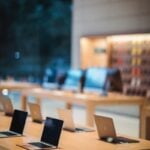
[
  {"x": 90, "y": 101},
  {"x": 68, "y": 140},
  {"x": 14, "y": 85}
]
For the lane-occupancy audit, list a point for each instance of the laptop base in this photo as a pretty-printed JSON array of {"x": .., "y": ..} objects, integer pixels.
[
  {"x": 118, "y": 140},
  {"x": 82, "y": 129},
  {"x": 5, "y": 134},
  {"x": 41, "y": 145}
]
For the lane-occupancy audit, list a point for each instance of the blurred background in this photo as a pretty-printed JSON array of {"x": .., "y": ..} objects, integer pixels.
[
  {"x": 34, "y": 36},
  {"x": 40, "y": 40}
]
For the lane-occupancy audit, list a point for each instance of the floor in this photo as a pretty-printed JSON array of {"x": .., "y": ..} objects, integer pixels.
[{"x": 124, "y": 124}]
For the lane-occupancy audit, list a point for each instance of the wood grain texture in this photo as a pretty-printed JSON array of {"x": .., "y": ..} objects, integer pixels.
[{"x": 68, "y": 140}]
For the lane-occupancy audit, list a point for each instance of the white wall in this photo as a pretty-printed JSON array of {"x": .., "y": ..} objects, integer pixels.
[
  {"x": 107, "y": 17},
  {"x": 92, "y": 17}
]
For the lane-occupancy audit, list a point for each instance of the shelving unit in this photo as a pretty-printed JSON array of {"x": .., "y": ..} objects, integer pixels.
[{"x": 129, "y": 53}]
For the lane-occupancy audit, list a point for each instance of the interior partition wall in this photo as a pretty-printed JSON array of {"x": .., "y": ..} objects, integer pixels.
[
  {"x": 108, "y": 17},
  {"x": 105, "y": 17}
]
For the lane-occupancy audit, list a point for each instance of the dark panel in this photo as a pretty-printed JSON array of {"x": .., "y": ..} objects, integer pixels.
[
  {"x": 148, "y": 128},
  {"x": 35, "y": 35}
]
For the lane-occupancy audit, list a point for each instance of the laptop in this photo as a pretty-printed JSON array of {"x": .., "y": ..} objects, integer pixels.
[
  {"x": 66, "y": 115},
  {"x": 106, "y": 131},
  {"x": 50, "y": 135},
  {"x": 73, "y": 80},
  {"x": 17, "y": 124},
  {"x": 35, "y": 112},
  {"x": 7, "y": 107},
  {"x": 96, "y": 81}
]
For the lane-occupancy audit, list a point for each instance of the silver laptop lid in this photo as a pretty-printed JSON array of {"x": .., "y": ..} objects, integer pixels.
[
  {"x": 66, "y": 116},
  {"x": 35, "y": 112},
  {"x": 105, "y": 126},
  {"x": 7, "y": 105}
]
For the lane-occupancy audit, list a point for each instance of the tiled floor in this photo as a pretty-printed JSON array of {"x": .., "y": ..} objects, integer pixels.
[{"x": 125, "y": 125}]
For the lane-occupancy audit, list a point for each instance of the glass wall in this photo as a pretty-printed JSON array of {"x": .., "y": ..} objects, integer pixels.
[{"x": 34, "y": 36}]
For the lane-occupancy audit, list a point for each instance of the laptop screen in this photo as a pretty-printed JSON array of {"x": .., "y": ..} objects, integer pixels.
[
  {"x": 72, "y": 81},
  {"x": 115, "y": 79},
  {"x": 18, "y": 121},
  {"x": 52, "y": 130},
  {"x": 95, "y": 79}
]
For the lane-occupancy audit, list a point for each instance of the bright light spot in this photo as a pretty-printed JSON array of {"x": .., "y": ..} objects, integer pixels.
[{"x": 5, "y": 91}]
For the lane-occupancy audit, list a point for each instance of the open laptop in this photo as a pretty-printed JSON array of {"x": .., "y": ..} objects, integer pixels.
[
  {"x": 73, "y": 80},
  {"x": 106, "y": 131},
  {"x": 35, "y": 112},
  {"x": 7, "y": 107},
  {"x": 66, "y": 115},
  {"x": 17, "y": 124},
  {"x": 96, "y": 81},
  {"x": 50, "y": 135}
]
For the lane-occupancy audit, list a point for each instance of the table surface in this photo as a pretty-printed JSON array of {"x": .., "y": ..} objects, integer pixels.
[
  {"x": 13, "y": 85},
  {"x": 82, "y": 98},
  {"x": 91, "y": 101},
  {"x": 68, "y": 140}
]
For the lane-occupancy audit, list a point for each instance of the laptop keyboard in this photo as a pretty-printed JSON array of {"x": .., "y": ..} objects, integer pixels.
[
  {"x": 118, "y": 140},
  {"x": 79, "y": 129},
  {"x": 84, "y": 129},
  {"x": 125, "y": 140},
  {"x": 7, "y": 133},
  {"x": 40, "y": 145}
]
